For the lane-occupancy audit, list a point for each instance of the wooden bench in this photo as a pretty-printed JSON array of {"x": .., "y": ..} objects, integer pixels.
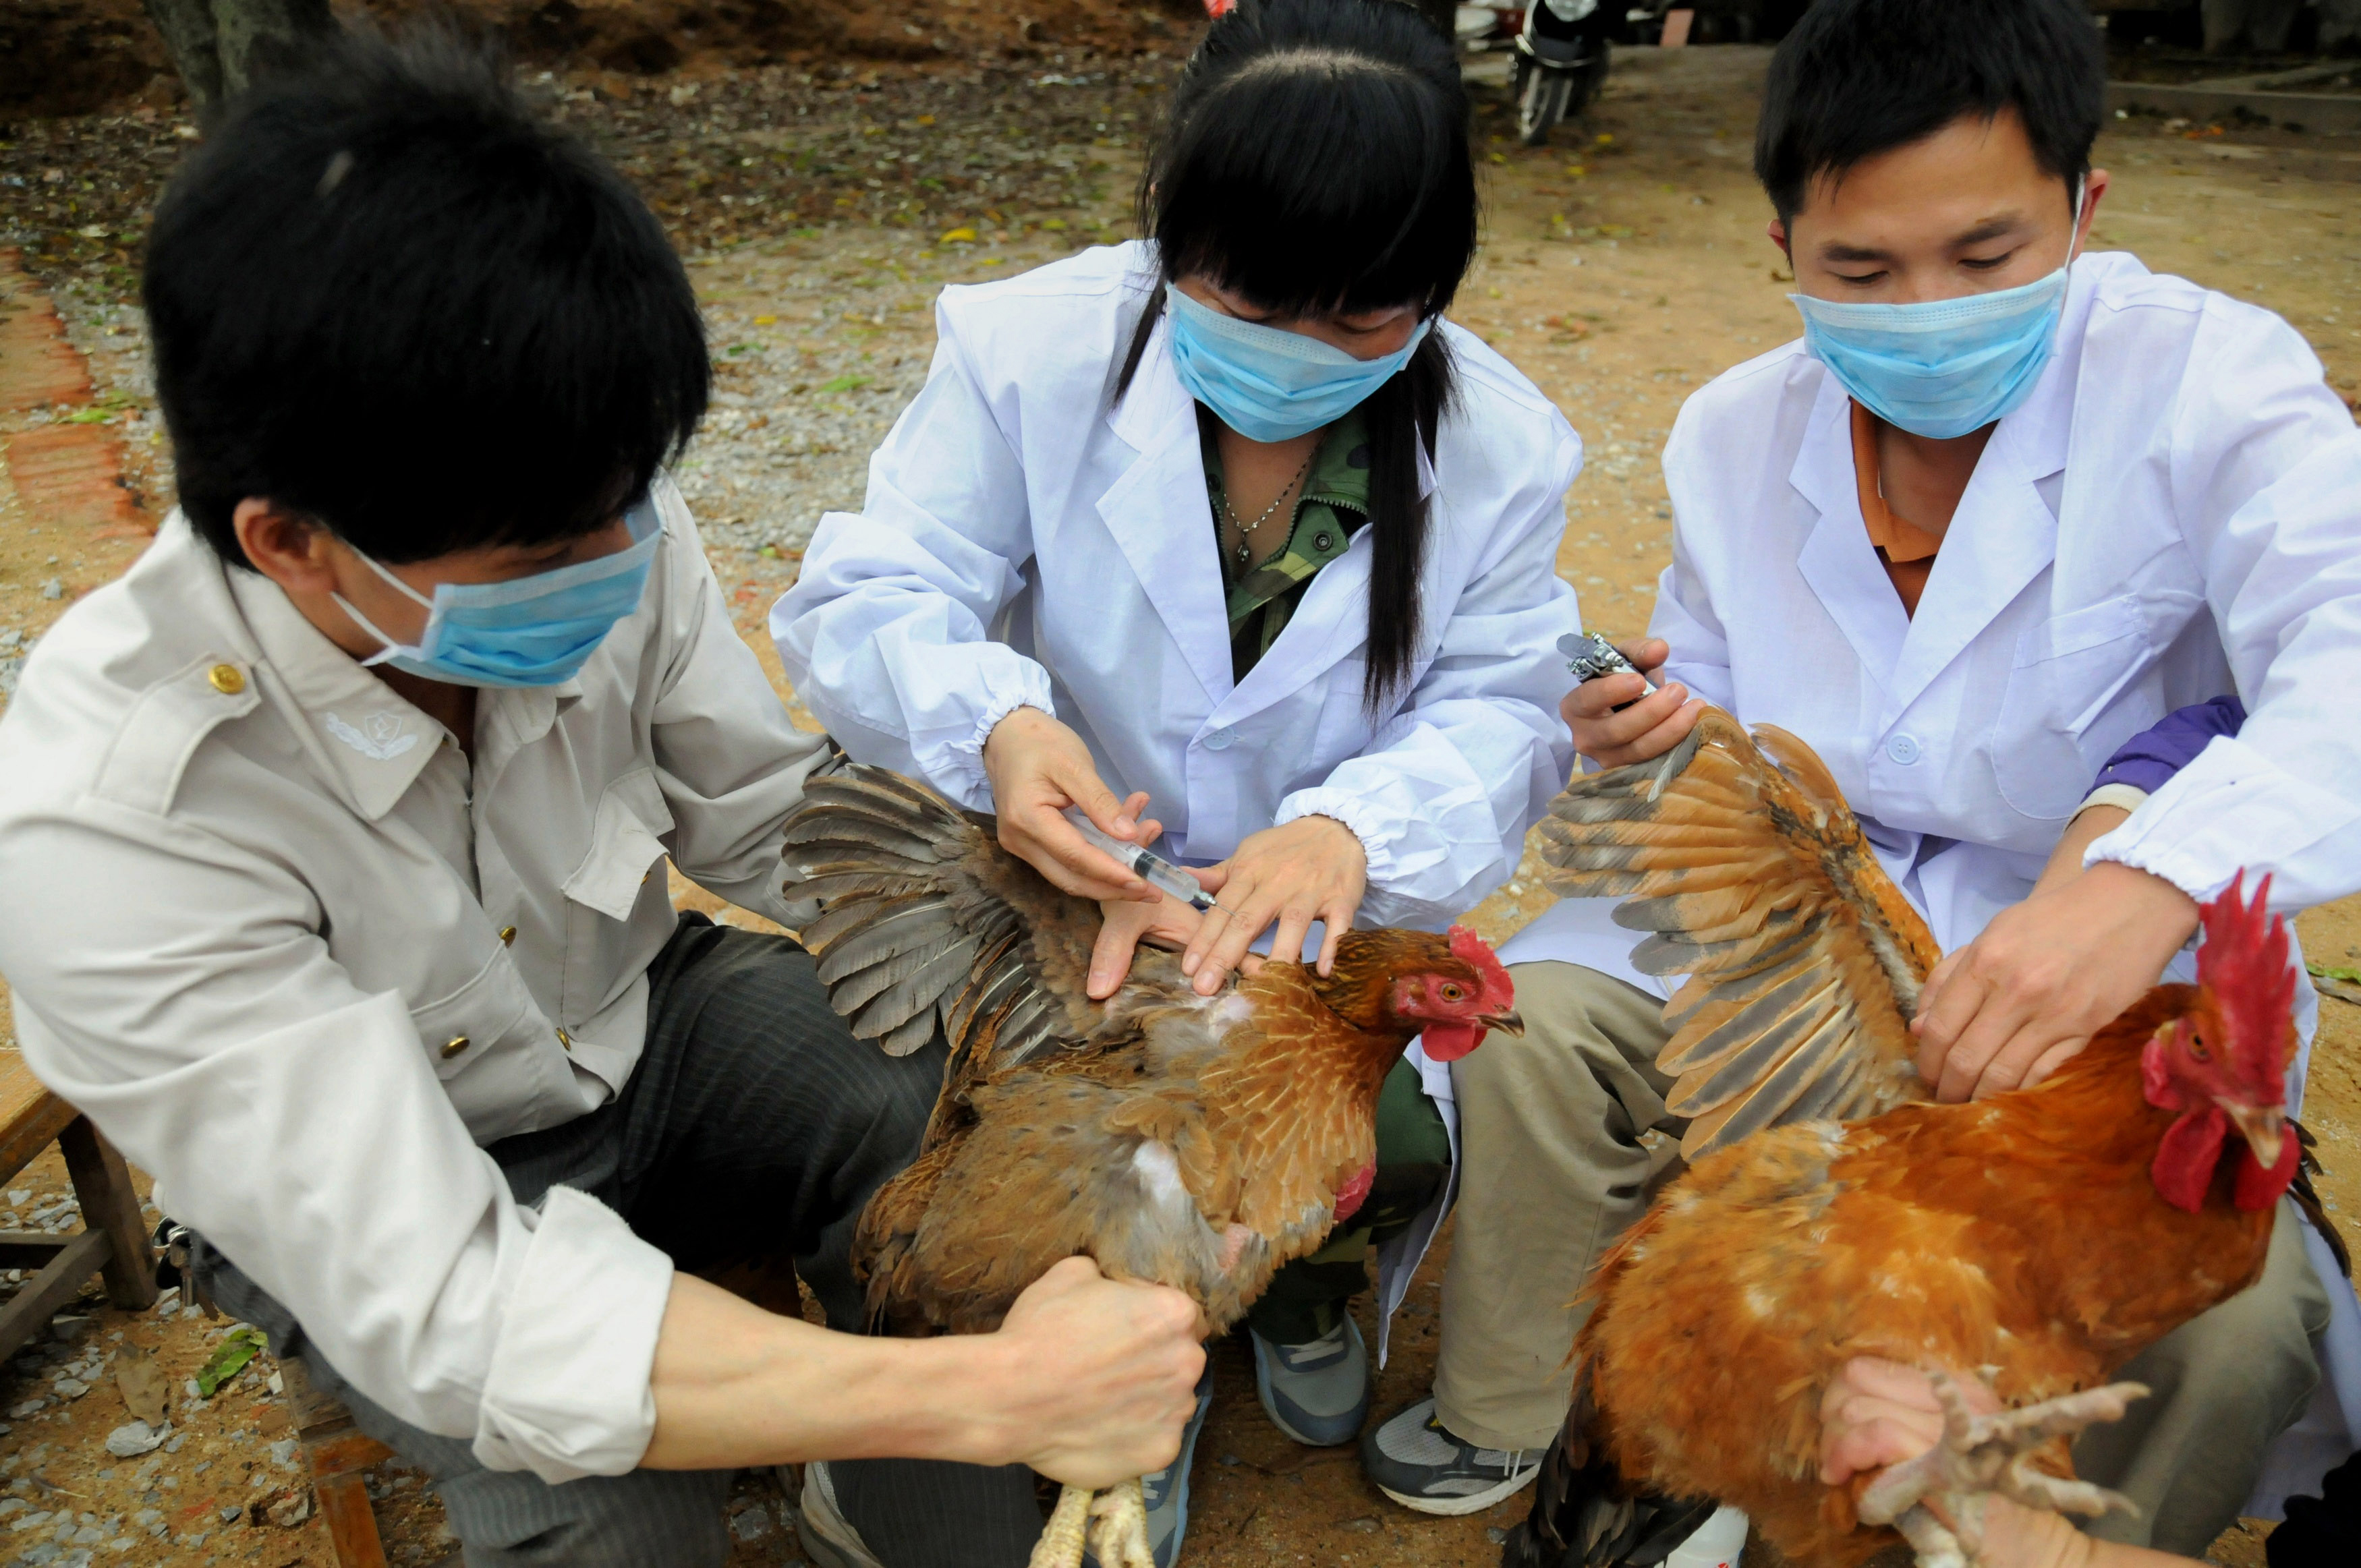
[
  {"x": 114, "y": 1240},
  {"x": 336, "y": 1451},
  {"x": 114, "y": 1243}
]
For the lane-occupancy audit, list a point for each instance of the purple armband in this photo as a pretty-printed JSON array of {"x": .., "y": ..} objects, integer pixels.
[{"x": 2148, "y": 759}]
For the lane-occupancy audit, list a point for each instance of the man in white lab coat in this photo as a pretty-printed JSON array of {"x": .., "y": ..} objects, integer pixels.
[{"x": 2006, "y": 506}]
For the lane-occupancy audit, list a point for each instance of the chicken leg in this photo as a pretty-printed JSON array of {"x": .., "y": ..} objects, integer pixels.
[
  {"x": 1115, "y": 1522},
  {"x": 1981, "y": 1456}
]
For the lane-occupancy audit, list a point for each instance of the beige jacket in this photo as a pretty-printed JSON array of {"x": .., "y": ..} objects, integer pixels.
[{"x": 264, "y": 927}]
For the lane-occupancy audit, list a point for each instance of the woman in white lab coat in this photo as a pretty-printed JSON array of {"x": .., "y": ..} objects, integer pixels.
[{"x": 1228, "y": 526}]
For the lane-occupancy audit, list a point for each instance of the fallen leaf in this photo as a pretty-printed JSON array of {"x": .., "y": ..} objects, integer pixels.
[
  {"x": 962, "y": 235},
  {"x": 2344, "y": 985},
  {"x": 144, "y": 1389},
  {"x": 228, "y": 1361}
]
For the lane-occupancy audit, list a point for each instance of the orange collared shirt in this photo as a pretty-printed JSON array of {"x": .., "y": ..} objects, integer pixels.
[{"x": 1906, "y": 550}]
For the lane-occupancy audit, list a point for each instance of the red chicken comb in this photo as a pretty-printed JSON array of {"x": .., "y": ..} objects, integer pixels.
[
  {"x": 1475, "y": 953},
  {"x": 2243, "y": 962}
]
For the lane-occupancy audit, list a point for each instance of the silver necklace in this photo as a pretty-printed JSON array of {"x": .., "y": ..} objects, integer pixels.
[{"x": 1246, "y": 530}]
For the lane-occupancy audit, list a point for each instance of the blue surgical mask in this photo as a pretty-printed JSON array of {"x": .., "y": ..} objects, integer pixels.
[
  {"x": 1940, "y": 368},
  {"x": 529, "y": 632},
  {"x": 1270, "y": 385}
]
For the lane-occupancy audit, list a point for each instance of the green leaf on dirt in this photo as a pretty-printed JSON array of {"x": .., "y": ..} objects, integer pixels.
[
  {"x": 843, "y": 384},
  {"x": 87, "y": 416},
  {"x": 2344, "y": 985},
  {"x": 228, "y": 1360}
]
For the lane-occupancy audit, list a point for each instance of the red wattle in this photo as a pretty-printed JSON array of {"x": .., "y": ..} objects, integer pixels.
[
  {"x": 1355, "y": 1192},
  {"x": 2183, "y": 1167},
  {"x": 2260, "y": 1189},
  {"x": 1449, "y": 1042}
]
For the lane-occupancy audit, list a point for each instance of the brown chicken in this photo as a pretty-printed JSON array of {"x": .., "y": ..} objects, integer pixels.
[
  {"x": 1198, "y": 1141},
  {"x": 1801, "y": 1238}
]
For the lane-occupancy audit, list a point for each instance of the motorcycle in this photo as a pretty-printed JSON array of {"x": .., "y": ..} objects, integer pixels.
[{"x": 1562, "y": 54}]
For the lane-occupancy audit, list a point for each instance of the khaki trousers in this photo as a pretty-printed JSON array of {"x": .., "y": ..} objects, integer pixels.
[{"x": 1564, "y": 1140}]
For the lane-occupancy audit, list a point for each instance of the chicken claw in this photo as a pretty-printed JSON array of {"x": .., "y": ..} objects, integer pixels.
[
  {"x": 1119, "y": 1528},
  {"x": 1060, "y": 1545},
  {"x": 1980, "y": 1457}
]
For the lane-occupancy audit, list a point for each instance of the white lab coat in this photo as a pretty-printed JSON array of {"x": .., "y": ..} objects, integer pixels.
[
  {"x": 1029, "y": 541},
  {"x": 2174, "y": 514}
]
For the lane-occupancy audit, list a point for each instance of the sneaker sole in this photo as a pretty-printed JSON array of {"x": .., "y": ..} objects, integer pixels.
[{"x": 1475, "y": 1502}]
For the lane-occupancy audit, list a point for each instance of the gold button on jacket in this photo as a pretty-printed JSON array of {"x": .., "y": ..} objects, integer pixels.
[
  {"x": 454, "y": 1045},
  {"x": 228, "y": 679}
]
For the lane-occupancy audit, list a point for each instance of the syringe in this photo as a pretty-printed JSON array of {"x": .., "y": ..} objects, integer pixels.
[{"x": 1151, "y": 869}]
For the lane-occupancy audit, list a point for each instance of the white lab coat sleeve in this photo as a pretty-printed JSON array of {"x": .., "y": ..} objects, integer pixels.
[
  {"x": 185, "y": 1000},
  {"x": 1442, "y": 797},
  {"x": 731, "y": 762},
  {"x": 2267, "y": 473},
  {"x": 886, "y": 634},
  {"x": 1684, "y": 616}
]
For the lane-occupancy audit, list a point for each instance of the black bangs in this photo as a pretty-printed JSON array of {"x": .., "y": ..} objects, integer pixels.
[
  {"x": 1857, "y": 78},
  {"x": 384, "y": 295},
  {"x": 1315, "y": 158}
]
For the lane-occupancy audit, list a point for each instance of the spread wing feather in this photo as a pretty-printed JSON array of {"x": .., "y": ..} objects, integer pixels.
[
  {"x": 1738, "y": 858},
  {"x": 926, "y": 923}
]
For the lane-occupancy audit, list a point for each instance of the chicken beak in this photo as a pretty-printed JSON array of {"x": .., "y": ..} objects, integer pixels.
[
  {"x": 1507, "y": 1021},
  {"x": 2262, "y": 1126}
]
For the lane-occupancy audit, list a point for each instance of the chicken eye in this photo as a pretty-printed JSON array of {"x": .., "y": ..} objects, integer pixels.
[
  {"x": 1453, "y": 993},
  {"x": 2197, "y": 1051}
]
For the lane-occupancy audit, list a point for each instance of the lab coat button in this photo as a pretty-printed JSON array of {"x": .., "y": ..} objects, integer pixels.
[
  {"x": 1221, "y": 740},
  {"x": 226, "y": 679},
  {"x": 1903, "y": 749},
  {"x": 508, "y": 935},
  {"x": 454, "y": 1045},
  {"x": 565, "y": 1039}
]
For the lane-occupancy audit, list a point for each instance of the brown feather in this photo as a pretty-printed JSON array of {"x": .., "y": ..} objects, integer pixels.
[{"x": 1740, "y": 860}]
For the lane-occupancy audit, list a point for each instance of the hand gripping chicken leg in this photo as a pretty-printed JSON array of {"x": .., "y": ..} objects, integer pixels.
[
  {"x": 1197, "y": 1142},
  {"x": 1989, "y": 1455}
]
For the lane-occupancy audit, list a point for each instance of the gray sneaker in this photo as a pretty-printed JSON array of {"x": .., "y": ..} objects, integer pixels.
[
  {"x": 1317, "y": 1392},
  {"x": 827, "y": 1540},
  {"x": 1166, "y": 1492},
  {"x": 1416, "y": 1461}
]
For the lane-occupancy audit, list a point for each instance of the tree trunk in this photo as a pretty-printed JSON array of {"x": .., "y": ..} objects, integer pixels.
[{"x": 219, "y": 45}]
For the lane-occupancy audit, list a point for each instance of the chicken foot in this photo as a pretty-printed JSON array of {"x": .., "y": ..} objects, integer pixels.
[
  {"x": 1060, "y": 1545},
  {"x": 1981, "y": 1456},
  {"x": 1114, "y": 1522}
]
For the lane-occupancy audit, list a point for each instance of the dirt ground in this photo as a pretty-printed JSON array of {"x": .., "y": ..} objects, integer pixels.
[{"x": 822, "y": 203}]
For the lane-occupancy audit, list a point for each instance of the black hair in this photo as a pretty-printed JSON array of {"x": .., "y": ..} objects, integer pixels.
[
  {"x": 1857, "y": 78},
  {"x": 1315, "y": 159},
  {"x": 384, "y": 297}
]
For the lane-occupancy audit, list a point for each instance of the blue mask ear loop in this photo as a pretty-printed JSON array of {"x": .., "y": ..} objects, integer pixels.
[{"x": 392, "y": 649}]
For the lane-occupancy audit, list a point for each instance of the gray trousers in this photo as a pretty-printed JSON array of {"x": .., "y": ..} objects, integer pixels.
[
  {"x": 1564, "y": 1138},
  {"x": 754, "y": 1125}
]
